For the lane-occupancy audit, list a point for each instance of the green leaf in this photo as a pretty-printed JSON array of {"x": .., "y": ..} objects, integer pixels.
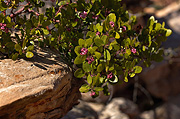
[
  {"x": 77, "y": 50},
  {"x": 79, "y": 73},
  {"x": 9, "y": 19},
  {"x": 98, "y": 41},
  {"x": 18, "y": 47},
  {"x": 131, "y": 74},
  {"x": 81, "y": 42},
  {"x": 111, "y": 68},
  {"x": 157, "y": 26},
  {"x": 91, "y": 34},
  {"x": 15, "y": 56},
  {"x": 24, "y": 43},
  {"x": 32, "y": 42},
  {"x": 163, "y": 24},
  {"x": 152, "y": 18},
  {"x": 46, "y": 23},
  {"x": 84, "y": 88},
  {"x": 79, "y": 59},
  {"x": 128, "y": 51},
  {"x": 100, "y": 68},
  {"x": 98, "y": 89},
  {"x": 30, "y": 48},
  {"x": 106, "y": 90},
  {"x": 137, "y": 69},
  {"x": 87, "y": 67},
  {"x": 29, "y": 54},
  {"x": 107, "y": 55},
  {"x": 99, "y": 27},
  {"x": 89, "y": 79},
  {"x": 92, "y": 49},
  {"x": 149, "y": 39},
  {"x": 104, "y": 38},
  {"x": 114, "y": 80},
  {"x": 168, "y": 32},
  {"x": 88, "y": 42},
  {"x": 112, "y": 17},
  {"x": 117, "y": 35},
  {"x": 98, "y": 55},
  {"x": 144, "y": 48},
  {"x": 126, "y": 79},
  {"x": 74, "y": 24},
  {"x": 45, "y": 31}
]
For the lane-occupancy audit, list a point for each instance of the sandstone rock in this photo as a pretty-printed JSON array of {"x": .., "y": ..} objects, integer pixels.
[
  {"x": 81, "y": 111},
  {"x": 41, "y": 88},
  {"x": 173, "y": 22},
  {"x": 158, "y": 113},
  {"x": 169, "y": 110},
  {"x": 120, "y": 108},
  {"x": 162, "y": 79}
]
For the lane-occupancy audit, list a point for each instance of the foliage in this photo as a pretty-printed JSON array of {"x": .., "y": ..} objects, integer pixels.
[{"x": 97, "y": 38}]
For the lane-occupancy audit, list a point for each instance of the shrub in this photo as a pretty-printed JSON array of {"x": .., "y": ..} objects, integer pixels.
[{"x": 97, "y": 38}]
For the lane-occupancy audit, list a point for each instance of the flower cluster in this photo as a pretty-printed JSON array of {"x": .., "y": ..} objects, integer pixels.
[
  {"x": 111, "y": 23},
  {"x": 95, "y": 17},
  {"x": 110, "y": 75},
  {"x": 84, "y": 51},
  {"x": 3, "y": 27},
  {"x": 90, "y": 59},
  {"x": 123, "y": 28},
  {"x": 133, "y": 50},
  {"x": 83, "y": 14},
  {"x": 92, "y": 93},
  {"x": 97, "y": 33}
]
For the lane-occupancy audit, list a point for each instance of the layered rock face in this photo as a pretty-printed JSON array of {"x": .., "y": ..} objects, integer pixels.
[{"x": 42, "y": 88}]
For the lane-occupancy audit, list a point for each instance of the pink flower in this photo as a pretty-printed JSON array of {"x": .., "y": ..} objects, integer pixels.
[
  {"x": 95, "y": 16},
  {"x": 6, "y": 30},
  {"x": 76, "y": 19},
  {"x": 110, "y": 75},
  {"x": 107, "y": 13},
  {"x": 68, "y": 29},
  {"x": 84, "y": 51},
  {"x": 92, "y": 93},
  {"x": 111, "y": 23},
  {"x": 97, "y": 33},
  {"x": 133, "y": 50},
  {"x": 90, "y": 59},
  {"x": 3, "y": 27},
  {"x": 83, "y": 15},
  {"x": 123, "y": 28}
]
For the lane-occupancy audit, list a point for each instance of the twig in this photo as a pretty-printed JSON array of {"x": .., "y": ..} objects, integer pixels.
[
  {"x": 37, "y": 14},
  {"x": 135, "y": 89},
  {"x": 146, "y": 93},
  {"x": 18, "y": 12}
]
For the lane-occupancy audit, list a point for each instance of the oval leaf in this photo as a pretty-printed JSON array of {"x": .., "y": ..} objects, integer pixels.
[
  {"x": 98, "y": 55},
  {"x": 87, "y": 67},
  {"x": 29, "y": 54},
  {"x": 138, "y": 69},
  {"x": 100, "y": 68},
  {"x": 81, "y": 42},
  {"x": 84, "y": 88},
  {"x": 114, "y": 80},
  {"x": 89, "y": 79},
  {"x": 79, "y": 73}
]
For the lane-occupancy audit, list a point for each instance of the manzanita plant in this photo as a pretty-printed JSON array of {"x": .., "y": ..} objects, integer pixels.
[{"x": 98, "y": 39}]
